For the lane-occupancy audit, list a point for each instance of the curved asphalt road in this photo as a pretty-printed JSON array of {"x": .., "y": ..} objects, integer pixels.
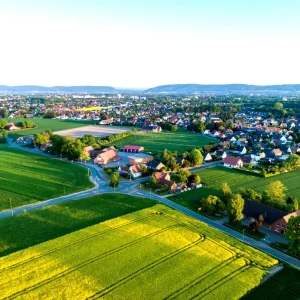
[{"x": 102, "y": 187}]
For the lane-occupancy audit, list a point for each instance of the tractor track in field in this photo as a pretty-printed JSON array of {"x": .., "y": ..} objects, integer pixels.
[{"x": 74, "y": 243}]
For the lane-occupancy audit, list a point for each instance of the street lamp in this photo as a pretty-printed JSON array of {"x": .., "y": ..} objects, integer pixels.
[
  {"x": 60, "y": 156},
  {"x": 150, "y": 193},
  {"x": 243, "y": 233}
]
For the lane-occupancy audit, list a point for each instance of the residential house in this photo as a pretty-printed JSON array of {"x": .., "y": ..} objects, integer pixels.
[
  {"x": 155, "y": 165},
  {"x": 164, "y": 178},
  {"x": 267, "y": 216},
  {"x": 233, "y": 162},
  {"x": 206, "y": 156},
  {"x": 281, "y": 225},
  {"x": 220, "y": 153},
  {"x": 139, "y": 160},
  {"x": 132, "y": 171},
  {"x": 151, "y": 128}
]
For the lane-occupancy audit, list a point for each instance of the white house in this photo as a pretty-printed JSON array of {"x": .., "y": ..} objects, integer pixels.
[
  {"x": 233, "y": 162},
  {"x": 133, "y": 171}
]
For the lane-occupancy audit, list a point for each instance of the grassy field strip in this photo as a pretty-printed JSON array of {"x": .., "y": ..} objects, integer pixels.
[
  {"x": 27, "y": 178},
  {"x": 83, "y": 239},
  {"x": 153, "y": 248}
]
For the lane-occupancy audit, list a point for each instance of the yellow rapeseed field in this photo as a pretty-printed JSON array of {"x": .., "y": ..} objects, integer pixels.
[{"x": 154, "y": 253}]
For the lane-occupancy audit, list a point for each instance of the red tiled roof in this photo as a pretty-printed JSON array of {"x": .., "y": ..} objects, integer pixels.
[{"x": 231, "y": 160}]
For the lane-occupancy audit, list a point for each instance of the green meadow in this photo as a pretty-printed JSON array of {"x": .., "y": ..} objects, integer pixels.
[
  {"x": 158, "y": 141},
  {"x": 213, "y": 178},
  {"x": 27, "y": 178}
]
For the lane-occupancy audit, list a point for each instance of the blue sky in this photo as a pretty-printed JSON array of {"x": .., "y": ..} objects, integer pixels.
[{"x": 148, "y": 43}]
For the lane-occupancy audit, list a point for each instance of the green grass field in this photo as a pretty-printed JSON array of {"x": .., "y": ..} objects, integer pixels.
[
  {"x": 154, "y": 253},
  {"x": 52, "y": 124},
  {"x": 156, "y": 142},
  {"x": 214, "y": 177},
  {"x": 35, "y": 227},
  {"x": 26, "y": 178},
  {"x": 283, "y": 285}
]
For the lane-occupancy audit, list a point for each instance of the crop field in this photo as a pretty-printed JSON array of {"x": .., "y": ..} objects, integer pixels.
[
  {"x": 38, "y": 226},
  {"x": 283, "y": 285},
  {"x": 26, "y": 178},
  {"x": 156, "y": 142},
  {"x": 154, "y": 253},
  {"x": 52, "y": 124},
  {"x": 214, "y": 177}
]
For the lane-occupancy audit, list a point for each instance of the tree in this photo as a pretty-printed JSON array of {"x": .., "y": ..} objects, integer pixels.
[
  {"x": 182, "y": 175},
  {"x": 114, "y": 181},
  {"x": 153, "y": 183},
  {"x": 293, "y": 233},
  {"x": 276, "y": 191},
  {"x": 293, "y": 161},
  {"x": 3, "y": 134},
  {"x": 200, "y": 127},
  {"x": 41, "y": 138},
  {"x": 84, "y": 155},
  {"x": 194, "y": 178},
  {"x": 235, "y": 208},
  {"x": 211, "y": 205},
  {"x": 196, "y": 157},
  {"x": 292, "y": 204},
  {"x": 174, "y": 128},
  {"x": 88, "y": 140},
  {"x": 225, "y": 192},
  {"x": 278, "y": 106},
  {"x": 3, "y": 123}
]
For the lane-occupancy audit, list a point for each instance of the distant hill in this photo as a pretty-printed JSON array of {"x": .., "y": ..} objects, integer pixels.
[
  {"x": 60, "y": 89},
  {"x": 162, "y": 89},
  {"x": 222, "y": 88}
]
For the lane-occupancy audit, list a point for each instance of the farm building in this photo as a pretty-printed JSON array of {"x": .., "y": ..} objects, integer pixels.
[
  {"x": 139, "y": 160},
  {"x": 12, "y": 126},
  {"x": 233, "y": 162},
  {"x": 106, "y": 155},
  {"x": 133, "y": 149},
  {"x": 133, "y": 171}
]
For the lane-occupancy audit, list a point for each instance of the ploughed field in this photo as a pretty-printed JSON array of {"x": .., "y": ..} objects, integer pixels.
[
  {"x": 154, "y": 253},
  {"x": 214, "y": 177},
  {"x": 51, "y": 124},
  {"x": 158, "y": 141},
  {"x": 26, "y": 178}
]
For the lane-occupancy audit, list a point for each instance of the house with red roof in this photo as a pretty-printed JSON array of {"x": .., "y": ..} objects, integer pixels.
[
  {"x": 133, "y": 171},
  {"x": 233, "y": 162},
  {"x": 133, "y": 149},
  {"x": 106, "y": 155}
]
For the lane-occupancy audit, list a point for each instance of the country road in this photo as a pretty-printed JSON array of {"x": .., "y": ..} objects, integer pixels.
[{"x": 129, "y": 188}]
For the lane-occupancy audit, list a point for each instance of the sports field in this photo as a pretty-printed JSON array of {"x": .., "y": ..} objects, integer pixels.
[
  {"x": 214, "y": 177},
  {"x": 283, "y": 285},
  {"x": 154, "y": 253},
  {"x": 26, "y": 178},
  {"x": 156, "y": 142},
  {"x": 51, "y": 124}
]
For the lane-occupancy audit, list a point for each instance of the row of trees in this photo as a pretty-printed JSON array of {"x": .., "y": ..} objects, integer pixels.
[
  {"x": 273, "y": 195},
  {"x": 191, "y": 158},
  {"x": 73, "y": 148}
]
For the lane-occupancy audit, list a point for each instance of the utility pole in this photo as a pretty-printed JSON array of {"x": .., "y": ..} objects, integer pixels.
[
  {"x": 150, "y": 193},
  {"x": 64, "y": 190},
  {"x": 243, "y": 233},
  {"x": 60, "y": 156},
  {"x": 12, "y": 212}
]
